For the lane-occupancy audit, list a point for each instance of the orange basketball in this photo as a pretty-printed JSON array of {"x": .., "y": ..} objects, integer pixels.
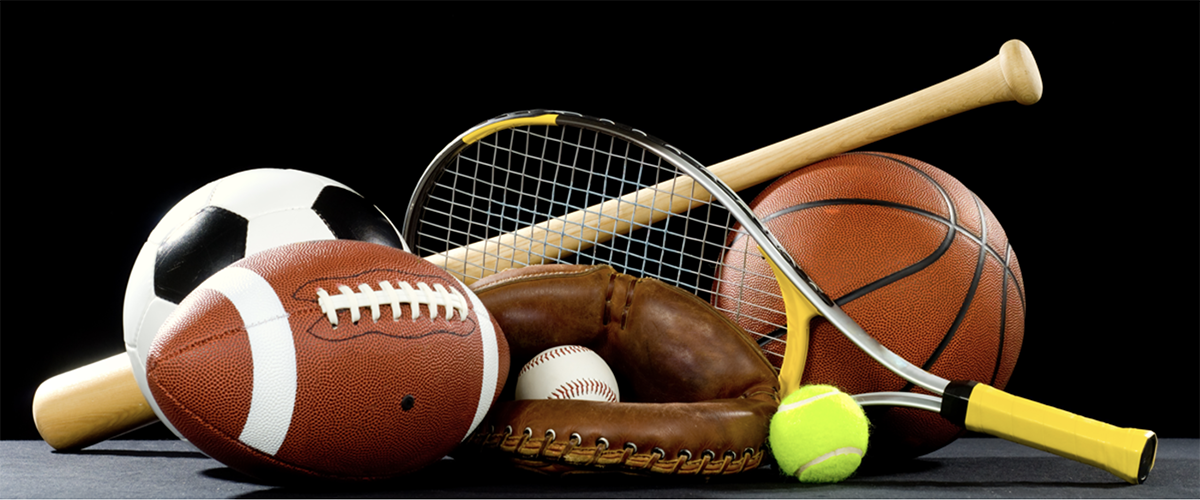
[{"x": 914, "y": 257}]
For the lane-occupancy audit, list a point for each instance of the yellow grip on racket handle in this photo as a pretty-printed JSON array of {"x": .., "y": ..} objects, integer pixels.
[{"x": 1125, "y": 452}]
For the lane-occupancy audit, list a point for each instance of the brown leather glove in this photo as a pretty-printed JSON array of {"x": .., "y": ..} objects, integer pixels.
[{"x": 697, "y": 393}]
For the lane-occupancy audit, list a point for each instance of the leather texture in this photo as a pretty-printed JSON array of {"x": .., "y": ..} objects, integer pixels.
[{"x": 697, "y": 394}]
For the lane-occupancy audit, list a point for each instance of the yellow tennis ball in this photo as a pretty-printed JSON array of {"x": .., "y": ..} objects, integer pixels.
[{"x": 819, "y": 434}]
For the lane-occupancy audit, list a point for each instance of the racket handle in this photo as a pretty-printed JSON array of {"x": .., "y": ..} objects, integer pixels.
[
  {"x": 1125, "y": 452},
  {"x": 90, "y": 404}
]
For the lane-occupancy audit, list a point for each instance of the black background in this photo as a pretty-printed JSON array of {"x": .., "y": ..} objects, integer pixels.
[{"x": 114, "y": 112}]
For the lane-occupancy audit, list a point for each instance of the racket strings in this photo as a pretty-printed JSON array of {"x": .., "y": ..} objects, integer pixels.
[{"x": 526, "y": 176}]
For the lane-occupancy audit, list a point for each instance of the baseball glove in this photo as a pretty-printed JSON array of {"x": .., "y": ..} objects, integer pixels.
[{"x": 697, "y": 393}]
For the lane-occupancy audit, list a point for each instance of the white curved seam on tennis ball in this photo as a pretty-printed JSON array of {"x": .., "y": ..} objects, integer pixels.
[
  {"x": 802, "y": 402},
  {"x": 849, "y": 450}
]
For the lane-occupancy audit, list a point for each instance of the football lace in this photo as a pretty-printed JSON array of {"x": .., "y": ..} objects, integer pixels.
[{"x": 451, "y": 301}]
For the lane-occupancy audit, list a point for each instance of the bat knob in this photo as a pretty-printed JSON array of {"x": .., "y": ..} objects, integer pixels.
[{"x": 1020, "y": 72}]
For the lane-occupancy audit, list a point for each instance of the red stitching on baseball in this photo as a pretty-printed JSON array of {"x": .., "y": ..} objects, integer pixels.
[
  {"x": 553, "y": 353},
  {"x": 581, "y": 387}
]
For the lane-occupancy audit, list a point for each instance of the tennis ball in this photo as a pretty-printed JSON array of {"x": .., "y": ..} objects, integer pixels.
[{"x": 819, "y": 434}]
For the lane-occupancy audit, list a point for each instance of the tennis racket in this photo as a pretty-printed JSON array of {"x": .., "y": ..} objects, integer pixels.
[{"x": 551, "y": 187}]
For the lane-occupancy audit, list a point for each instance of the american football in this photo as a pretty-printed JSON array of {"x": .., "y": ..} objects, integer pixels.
[{"x": 332, "y": 359}]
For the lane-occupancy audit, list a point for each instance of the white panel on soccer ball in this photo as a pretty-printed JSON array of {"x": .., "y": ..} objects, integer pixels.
[
  {"x": 246, "y": 193},
  {"x": 281, "y": 228},
  {"x": 138, "y": 293},
  {"x": 157, "y": 311}
]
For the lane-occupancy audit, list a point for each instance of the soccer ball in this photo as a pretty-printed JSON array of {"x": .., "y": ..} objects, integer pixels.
[{"x": 226, "y": 220}]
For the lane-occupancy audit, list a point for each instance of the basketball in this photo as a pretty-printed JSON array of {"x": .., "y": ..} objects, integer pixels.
[{"x": 910, "y": 254}]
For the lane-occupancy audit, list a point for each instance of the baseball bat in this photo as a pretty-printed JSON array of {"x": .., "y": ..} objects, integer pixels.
[
  {"x": 90, "y": 404},
  {"x": 67, "y": 417}
]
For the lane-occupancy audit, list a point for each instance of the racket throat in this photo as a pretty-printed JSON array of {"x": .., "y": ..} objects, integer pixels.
[
  {"x": 800, "y": 313},
  {"x": 955, "y": 400}
]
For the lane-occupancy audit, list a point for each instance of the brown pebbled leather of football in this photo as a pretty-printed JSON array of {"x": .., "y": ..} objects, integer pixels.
[
  {"x": 253, "y": 369},
  {"x": 697, "y": 394}
]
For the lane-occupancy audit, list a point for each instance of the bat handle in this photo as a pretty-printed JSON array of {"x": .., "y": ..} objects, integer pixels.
[
  {"x": 90, "y": 404},
  {"x": 1125, "y": 452}
]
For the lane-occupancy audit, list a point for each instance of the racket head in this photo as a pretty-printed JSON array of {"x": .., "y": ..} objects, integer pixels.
[{"x": 520, "y": 170}]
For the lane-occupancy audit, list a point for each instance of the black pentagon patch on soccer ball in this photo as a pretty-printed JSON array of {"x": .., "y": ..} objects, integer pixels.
[
  {"x": 351, "y": 217},
  {"x": 208, "y": 242}
]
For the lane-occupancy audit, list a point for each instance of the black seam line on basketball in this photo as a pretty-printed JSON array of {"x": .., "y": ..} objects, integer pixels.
[
  {"x": 945, "y": 199},
  {"x": 970, "y": 298},
  {"x": 1008, "y": 255},
  {"x": 966, "y": 303},
  {"x": 951, "y": 231},
  {"x": 945, "y": 196},
  {"x": 1003, "y": 327},
  {"x": 950, "y": 206},
  {"x": 1003, "y": 318},
  {"x": 856, "y": 201},
  {"x": 908, "y": 270},
  {"x": 772, "y": 336}
]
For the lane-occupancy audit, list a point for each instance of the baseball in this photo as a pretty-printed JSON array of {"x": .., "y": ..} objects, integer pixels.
[{"x": 567, "y": 372}]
